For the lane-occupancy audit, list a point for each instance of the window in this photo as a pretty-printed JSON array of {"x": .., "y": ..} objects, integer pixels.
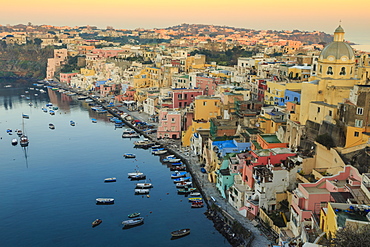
[
  {"x": 358, "y": 123},
  {"x": 204, "y": 103},
  {"x": 342, "y": 71},
  {"x": 330, "y": 113},
  {"x": 173, "y": 128},
  {"x": 173, "y": 120},
  {"x": 318, "y": 109},
  {"x": 215, "y": 103},
  {"x": 356, "y": 134},
  {"x": 359, "y": 111},
  {"x": 329, "y": 71}
]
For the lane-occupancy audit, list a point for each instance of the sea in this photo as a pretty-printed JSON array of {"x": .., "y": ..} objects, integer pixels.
[{"x": 48, "y": 189}]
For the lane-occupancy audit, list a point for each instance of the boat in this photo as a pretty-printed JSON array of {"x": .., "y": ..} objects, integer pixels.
[
  {"x": 94, "y": 120},
  {"x": 19, "y": 132},
  {"x": 197, "y": 204},
  {"x": 24, "y": 141},
  {"x": 138, "y": 177},
  {"x": 55, "y": 108},
  {"x": 9, "y": 131},
  {"x": 145, "y": 143},
  {"x": 133, "y": 222},
  {"x": 49, "y": 104},
  {"x": 82, "y": 97},
  {"x": 107, "y": 180},
  {"x": 51, "y": 112},
  {"x": 25, "y": 116},
  {"x": 180, "y": 233},
  {"x": 96, "y": 222},
  {"x": 159, "y": 152},
  {"x": 172, "y": 160},
  {"x": 178, "y": 174},
  {"x": 104, "y": 200},
  {"x": 177, "y": 164},
  {"x": 14, "y": 141},
  {"x": 72, "y": 123},
  {"x": 129, "y": 155},
  {"x": 141, "y": 191},
  {"x": 195, "y": 199},
  {"x": 194, "y": 194},
  {"x": 51, "y": 126},
  {"x": 183, "y": 184},
  {"x": 130, "y": 174},
  {"x": 156, "y": 146},
  {"x": 178, "y": 168},
  {"x": 130, "y": 134},
  {"x": 30, "y": 104},
  {"x": 185, "y": 190},
  {"x": 144, "y": 185},
  {"x": 178, "y": 180},
  {"x": 134, "y": 215},
  {"x": 44, "y": 109}
]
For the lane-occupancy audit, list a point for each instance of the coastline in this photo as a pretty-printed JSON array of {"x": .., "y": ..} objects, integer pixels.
[{"x": 246, "y": 232}]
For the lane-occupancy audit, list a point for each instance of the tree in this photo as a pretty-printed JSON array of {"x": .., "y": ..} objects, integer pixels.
[
  {"x": 37, "y": 41},
  {"x": 352, "y": 235}
]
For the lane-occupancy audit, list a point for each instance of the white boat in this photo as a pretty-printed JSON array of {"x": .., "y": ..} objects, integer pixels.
[
  {"x": 129, "y": 155},
  {"x": 104, "y": 200},
  {"x": 178, "y": 180},
  {"x": 133, "y": 222},
  {"x": 171, "y": 160},
  {"x": 159, "y": 152},
  {"x": 14, "y": 141},
  {"x": 183, "y": 184},
  {"x": 132, "y": 174},
  {"x": 194, "y": 194},
  {"x": 107, "y": 180},
  {"x": 144, "y": 185},
  {"x": 141, "y": 191}
]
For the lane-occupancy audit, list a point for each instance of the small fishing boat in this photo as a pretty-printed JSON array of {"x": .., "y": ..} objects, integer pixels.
[
  {"x": 44, "y": 109},
  {"x": 146, "y": 143},
  {"x": 24, "y": 141},
  {"x": 178, "y": 168},
  {"x": 107, "y": 180},
  {"x": 9, "y": 131},
  {"x": 185, "y": 190},
  {"x": 49, "y": 104},
  {"x": 144, "y": 185},
  {"x": 96, "y": 222},
  {"x": 14, "y": 142},
  {"x": 178, "y": 174},
  {"x": 180, "y": 233},
  {"x": 51, "y": 112},
  {"x": 194, "y": 194},
  {"x": 141, "y": 191},
  {"x": 178, "y": 180},
  {"x": 51, "y": 126},
  {"x": 25, "y": 116},
  {"x": 104, "y": 200},
  {"x": 195, "y": 199},
  {"x": 134, "y": 215},
  {"x": 94, "y": 120},
  {"x": 172, "y": 160},
  {"x": 138, "y": 177},
  {"x": 130, "y": 174},
  {"x": 183, "y": 184},
  {"x": 197, "y": 204},
  {"x": 19, "y": 132},
  {"x": 129, "y": 155},
  {"x": 133, "y": 222},
  {"x": 72, "y": 123}
]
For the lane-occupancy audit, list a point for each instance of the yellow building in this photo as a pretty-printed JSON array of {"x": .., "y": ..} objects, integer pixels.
[
  {"x": 149, "y": 77},
  {"x": 339, "y": 215},
  {"x": 275, "y": 93},
  {"x": 205, "y": 108}
]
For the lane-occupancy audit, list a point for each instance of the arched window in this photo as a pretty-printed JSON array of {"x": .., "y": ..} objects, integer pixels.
[
  {"x": 330, "y": 71},
  {"x": 342, "y": 71}
]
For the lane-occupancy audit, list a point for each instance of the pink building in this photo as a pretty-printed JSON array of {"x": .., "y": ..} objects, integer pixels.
[
  {"x": 263, "y": 157},
  {"x": 66, "y": 77},
  {"x": 181, "y": 98},
  {"x": 309, "y": 198},
  {"x": 169, "y": 125},
  {"x": 207, "y": 84}
]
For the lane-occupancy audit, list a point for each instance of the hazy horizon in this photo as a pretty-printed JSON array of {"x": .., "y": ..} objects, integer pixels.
[{"x": 315, "y": 15}]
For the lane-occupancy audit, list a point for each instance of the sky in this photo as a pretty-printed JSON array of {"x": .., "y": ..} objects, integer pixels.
[{"x": 313, "y": 15}]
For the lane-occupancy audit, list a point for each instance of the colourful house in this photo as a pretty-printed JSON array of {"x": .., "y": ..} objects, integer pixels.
[
  {"x": 169, "y": 124},
  {"x": 182, "y": 98},
  {"x": 267, "y": 141}
]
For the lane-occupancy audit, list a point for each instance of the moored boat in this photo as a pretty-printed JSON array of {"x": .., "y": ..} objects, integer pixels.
[
  {"x": 134, "y": 215},
  {"x": 159, "y": 152},
  {"x": 144, "y": 185},
  {"x": 183, "y": 184},
  {"x": 133, "y": 222},
  {"x": 72, "y": 123},
  {"x": 180, "y": 233},
  {"x": 185, "y": 190},
  {"x": 172, "y": 160},
  {"x": 178, "y": 174},
  {"x": 94, "y": 120},
  {"x": 178, "y": 180},
  {"x": 194, "y": 194},
  {"x": 96, "y": 222},
  {"x": 138, "y": 177},
  {"x": 195, "y": 199},
  {"x": 14, "y": 142},
  {"x": 141, "y": 191},
  {"x": 130, "y": 174},
  {"x": 197, "y": 204},
  {"x": 129, "y": 155},
  {"x": 107, "y": 180},
  {"x": 104, "y": 200},
  {"x": 24, "y": 141},
  {"x": 178, "y": 168},
  {"x": 51, "y": 126}
]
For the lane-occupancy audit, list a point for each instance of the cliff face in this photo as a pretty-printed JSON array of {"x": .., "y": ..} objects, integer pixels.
[{"x": 24, "y": 61}]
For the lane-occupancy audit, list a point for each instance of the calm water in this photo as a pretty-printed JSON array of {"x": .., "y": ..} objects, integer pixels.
[{"x": 48, "y": 190}]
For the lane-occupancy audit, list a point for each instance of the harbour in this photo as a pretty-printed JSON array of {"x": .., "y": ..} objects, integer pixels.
[{"x": 52, "y": 184}]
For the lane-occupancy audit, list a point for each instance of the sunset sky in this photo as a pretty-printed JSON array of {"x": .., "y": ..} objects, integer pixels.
[{"x": 320, "y": 15}]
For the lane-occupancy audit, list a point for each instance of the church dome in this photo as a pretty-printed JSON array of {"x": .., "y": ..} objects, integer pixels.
[{"x": 338, "y": 49}]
